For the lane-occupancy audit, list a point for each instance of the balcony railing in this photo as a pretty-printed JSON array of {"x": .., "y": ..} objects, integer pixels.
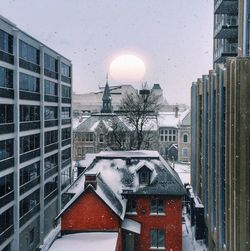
[
  {"x": 6, "y": 128},
  {"x": 24, "y": 126},
  {"x": 6, "y": 163},
  {"x": 226, "y": 22},
  {"x": 6, "y": 93},
  {"x": 66, "y": 79},
  {"x": 29, "y": 155},
  {"x": 51, "y": 147},
  {"x": 30, "y": 184},
  {"x": 6, "y": 198},
  {"x": 29, "y": 214},
  {"x": 6, "y": 234},
  {"x": 29, "y": 66},
  {"x": 29, "y": 95},
  {"x": 6, "y": 57},
  {"x": 50, "y": 74},
  {"x": 50, "y": 197},
  {"x": 50, "y": 172}
]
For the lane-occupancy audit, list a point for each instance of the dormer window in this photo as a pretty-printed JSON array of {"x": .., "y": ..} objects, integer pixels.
[{"x": 144, "y": 175}]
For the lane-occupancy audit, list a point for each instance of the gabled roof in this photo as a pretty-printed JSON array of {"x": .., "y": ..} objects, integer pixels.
[
  {"x": 116, "y": 175},
  {"x": 92, "y": 123}
]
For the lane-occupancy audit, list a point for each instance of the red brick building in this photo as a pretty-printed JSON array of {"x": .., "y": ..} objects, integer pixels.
[{"x": 134, "y": 194}]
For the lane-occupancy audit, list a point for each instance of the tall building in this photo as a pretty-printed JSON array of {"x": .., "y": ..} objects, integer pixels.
[
  {"x": 35, "y": 137},
  {"x": 231, "y": 29}
]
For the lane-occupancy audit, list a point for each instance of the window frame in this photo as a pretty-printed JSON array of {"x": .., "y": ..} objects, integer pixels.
[
  {"x": 159, "y": 206},
  {"x": 157, "y": 245}
]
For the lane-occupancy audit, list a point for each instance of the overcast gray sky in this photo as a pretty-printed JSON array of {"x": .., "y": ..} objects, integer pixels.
[{"x": 174, "y": 38}]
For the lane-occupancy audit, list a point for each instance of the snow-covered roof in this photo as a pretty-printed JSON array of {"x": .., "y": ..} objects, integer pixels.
[
  {"x": 114, "y": 175},
  {"x": 76, "y": 121},
  {"x": 94, "y": 241},
  {"x": 131, "y": 225},
  {"x": 168, "y": 119},
  {"x": 107, "y": 120}
]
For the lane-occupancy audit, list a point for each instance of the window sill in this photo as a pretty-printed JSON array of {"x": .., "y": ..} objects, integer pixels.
[
  {"x": 159, "y": 248},
  {"x": 157, "y": 214},
  {"x": 131, "y": 213}
]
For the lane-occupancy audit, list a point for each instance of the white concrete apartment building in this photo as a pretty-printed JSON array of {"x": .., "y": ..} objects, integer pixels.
[{"x": 35, "y": 137}]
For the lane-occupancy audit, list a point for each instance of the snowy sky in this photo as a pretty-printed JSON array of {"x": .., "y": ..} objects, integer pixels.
[{"x": 174, "y": 38}]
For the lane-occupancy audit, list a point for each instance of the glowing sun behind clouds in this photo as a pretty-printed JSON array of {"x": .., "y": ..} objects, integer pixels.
[{"x": 127, "y": 68}]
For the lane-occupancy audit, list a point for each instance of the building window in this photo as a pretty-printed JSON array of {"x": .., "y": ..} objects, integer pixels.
[
  {"x": 168, "y": 135},
  {"x": 66, "y": 92},
  {"x": 65, "y": 178},
  {"x": 29, "y": 83},
  {"x": 29, "y": 202},
  {"x": 66, "y": 133},
  {"x": 66, "y": 154},
  {"x": 50, "y": 186},
  {"x": 28, "y": 52},
  {"x": 157, "y": 206},
  {"x": 50, "y": 137},
  {"x": 65, "y": 113},
  {"x": 50, "y": 88},
  {"x": 6, "y": 219},
  {"x": 29, "y": 173},
  {"x": 185, "y": 152},
  {"x": 6, "y": 149},
  {"x": 31, "y": 235},
  {"x": 6, "y": 184},
  {"x": 50, "y": 63},
  {"x": 6, "y": 114},
  {"x": 185, "y": 138},
  {"x": 50, "y": 112},
  {"x": 6, "y": 42},
  {"x": 157, "y": 238},
  {"x": 101, "y": 139},
  {"x": 131, "y": 206},
  {"x": 29, "y": 143},
  {"x": 50, "y": 162},
  {"x": 6, "y": 78},
  {"x": 65, "y": 69},
  {"x": 29, "y": 113},
  {"x": 144, "y": 176}
]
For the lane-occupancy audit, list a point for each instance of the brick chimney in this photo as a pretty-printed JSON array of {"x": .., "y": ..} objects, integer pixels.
[{"x": 90, "y": 179}]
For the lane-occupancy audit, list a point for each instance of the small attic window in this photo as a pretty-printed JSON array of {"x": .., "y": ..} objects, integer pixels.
[{"x": 144, "y": 176}]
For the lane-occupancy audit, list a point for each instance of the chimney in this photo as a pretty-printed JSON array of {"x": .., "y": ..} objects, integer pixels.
[
  {"x": 90, "y": 179},
  {"x": 176, "y": 110}
]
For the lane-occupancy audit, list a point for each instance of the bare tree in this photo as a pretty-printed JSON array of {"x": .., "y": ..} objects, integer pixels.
[{"x": 138, "y": 110}]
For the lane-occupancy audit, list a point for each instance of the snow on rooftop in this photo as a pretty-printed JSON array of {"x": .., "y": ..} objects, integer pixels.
[
  {"x": 95, "y": 241},
  {"x": 76, "y": 121},
  {"x": 131, "y": 226},
  {"x": 168, "y": 119},
  {"x": 183, "y": 171},
  {"x": 128, "y": 154}
]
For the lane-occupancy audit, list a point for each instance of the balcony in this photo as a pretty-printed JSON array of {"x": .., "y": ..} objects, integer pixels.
[
  {"x": 66, "y": 100},
  {"x": 29, "y": 66},
  {"x": 29, "y": 155},
  {"x": 6, "y": 93},
  {"x": 25, "y": 126},
  {"x": 29, "y": 95},
  {"x": 50, "y": 74},
  {"x": 49, "y": 98},
  {"x": 6, "y": 163},
  {"x": 30, "y": 184},
  {"x": 66, "y": 79},
  {"x": 50, "y": 197},
  {"x": 226, "y": 28},
  {"x": 6, "y": 234},
  {"x": 29, "y": 214},
  {"x": 66, "y": 142},
  {"x": 224, "y": 51},
  {"x": 49, "y": 123},
  {"x": 4, "y": 200},
  {"x": 66, "y": 163},
  {"x": 6, "y": 57},
  {"x": 50, "y": 172},
  {"x": 226, "y": 7},
  {"x": 6, "y": 128},
  {"x": 51, "y": 147}
]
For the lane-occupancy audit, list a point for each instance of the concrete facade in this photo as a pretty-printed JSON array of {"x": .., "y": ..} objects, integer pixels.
[{"x": 35, "y": 137}]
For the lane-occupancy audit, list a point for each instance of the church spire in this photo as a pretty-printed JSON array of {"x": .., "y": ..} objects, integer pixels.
[{"x": 106, "y": 98}]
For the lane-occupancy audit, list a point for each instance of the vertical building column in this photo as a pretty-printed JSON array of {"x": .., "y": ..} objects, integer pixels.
[
  {"x": 59, "y": 134},
  {"x": 16, "y": 139},
  {"x": 42, "y": 144}
]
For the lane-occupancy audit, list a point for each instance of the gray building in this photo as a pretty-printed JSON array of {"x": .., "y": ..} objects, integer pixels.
[{"x": 35, "y": 137}]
